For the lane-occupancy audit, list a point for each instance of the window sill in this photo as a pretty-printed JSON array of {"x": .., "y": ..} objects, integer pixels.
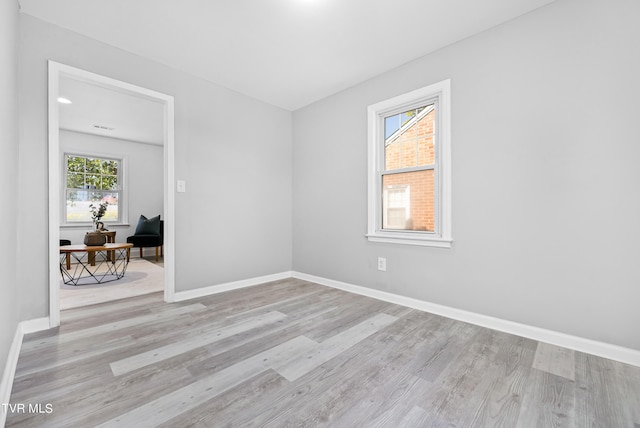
[
  {"x": 411, "y": 239},
  {"x": 90, "y": 225}
]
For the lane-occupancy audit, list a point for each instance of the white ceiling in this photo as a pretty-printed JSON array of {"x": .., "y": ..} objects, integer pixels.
[
  {"x": 110, "y": 113},
  {"x": 288, "y": 53}
]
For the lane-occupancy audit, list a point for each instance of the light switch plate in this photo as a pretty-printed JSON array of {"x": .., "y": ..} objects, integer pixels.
[{"x": 181, "y": 186}]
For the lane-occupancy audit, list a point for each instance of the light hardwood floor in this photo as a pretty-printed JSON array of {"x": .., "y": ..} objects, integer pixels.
[{"x": 293, "y": 353}]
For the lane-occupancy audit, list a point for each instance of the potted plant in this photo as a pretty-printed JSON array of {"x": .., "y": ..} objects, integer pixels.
[
  {"x": 96, "y": 238},
  {"x": 97, "y": 212}
]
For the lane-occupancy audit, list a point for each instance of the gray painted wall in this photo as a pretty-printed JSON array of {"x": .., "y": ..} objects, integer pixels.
[
  {"x": 234, "y": 152},
  {"x": 143, "y": 170},
  {"x": 9, "y": 315},
  {"x": 545, "y": 176}
]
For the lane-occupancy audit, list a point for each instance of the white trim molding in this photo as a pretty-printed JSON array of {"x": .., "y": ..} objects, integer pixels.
[
  {"x": 228, "y": 286},
  {"x": 8, "y": 375},
  {"x": 55, "y": 72},
  {"x": 438, "y": 94},
  {"x": 9, "y": 372},
  {"x": 601, "y": 349},
  {"x": 35, "y": 325}
]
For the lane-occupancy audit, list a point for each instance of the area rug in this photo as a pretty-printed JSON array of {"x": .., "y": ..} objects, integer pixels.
[{"x": 141, "y": 277}]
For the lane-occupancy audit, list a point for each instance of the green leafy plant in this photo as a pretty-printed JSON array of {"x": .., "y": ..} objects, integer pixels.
[{"x": 97, "y": 212}]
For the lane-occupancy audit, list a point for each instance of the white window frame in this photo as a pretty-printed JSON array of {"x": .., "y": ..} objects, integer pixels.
[
  {"x": 122, "y": 189},
  {"x": 440, "y": 93}
]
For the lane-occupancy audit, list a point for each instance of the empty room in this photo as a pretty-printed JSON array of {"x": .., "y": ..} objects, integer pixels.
[{"x": 320, "y": 213}]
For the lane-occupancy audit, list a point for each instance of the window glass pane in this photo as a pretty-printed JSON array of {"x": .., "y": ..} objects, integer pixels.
[
  {"x": 408, "y": 201},
  {"x": 409, "y": 138},
  {"x": 91, "y": 180},
  {"x": 75, "y": 181},
  {"x": 78, "y": 202},
  {"x": 112, "y": 208},
  {"x": 94, "y": 166},
  {"x": 391, "y": 125},
  {"x": 110, "y": 167},
  {"x": 109, "y": 182},
  {"x": 75, "y": 164}
]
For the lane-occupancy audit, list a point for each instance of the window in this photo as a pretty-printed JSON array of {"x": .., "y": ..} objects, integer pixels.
[
  {"x": 91, "y": 180},
  {"x": 395, "y": 207},
  {"x": 410, "y": 168}
]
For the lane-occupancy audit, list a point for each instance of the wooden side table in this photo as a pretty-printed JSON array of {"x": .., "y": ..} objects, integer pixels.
[
  {"x": 111, "y": 239},
  {"x": 111, "y": 236}
]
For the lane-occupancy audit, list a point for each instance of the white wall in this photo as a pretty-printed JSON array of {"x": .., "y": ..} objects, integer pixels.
[
  {"x": 545, "y": 176},
  {"x": 9, "y": 290},
  {"x": 143, "y": 177},
  {"x": 234, "y": 221}
]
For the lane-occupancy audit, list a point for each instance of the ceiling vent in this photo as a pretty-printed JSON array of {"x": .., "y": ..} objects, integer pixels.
[{"x": 104, "y": 128}]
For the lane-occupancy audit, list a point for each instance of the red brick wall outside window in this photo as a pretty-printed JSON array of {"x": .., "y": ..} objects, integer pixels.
[{"x": 409, "y": 197}]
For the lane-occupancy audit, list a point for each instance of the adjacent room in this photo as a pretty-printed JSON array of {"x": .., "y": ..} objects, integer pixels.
[
  {"x": 320, "y": 213},
  {"x": 111, "y": 154}
]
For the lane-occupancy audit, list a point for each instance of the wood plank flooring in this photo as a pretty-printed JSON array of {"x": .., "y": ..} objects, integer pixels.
[{"x": 294, "y": 353}]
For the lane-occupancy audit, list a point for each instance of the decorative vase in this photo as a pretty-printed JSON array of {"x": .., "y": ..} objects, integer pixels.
[{"x": 94, "y": 239}]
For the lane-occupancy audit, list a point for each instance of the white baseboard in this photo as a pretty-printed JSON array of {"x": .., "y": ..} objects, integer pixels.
[
  {"x": 25, "y": 327},
  {"x": 9, "y": 372},
  {"x": 228, "y": 286},
  {"x": 38, "y": 324},
  {"x": 601, "y": 349}
]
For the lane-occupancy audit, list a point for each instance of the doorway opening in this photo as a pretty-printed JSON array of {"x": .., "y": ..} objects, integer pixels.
[{"x": 58, "y": 213}]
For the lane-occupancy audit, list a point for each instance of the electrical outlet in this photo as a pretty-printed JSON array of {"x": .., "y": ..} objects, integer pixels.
[{"x": 382, "y": 264}]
